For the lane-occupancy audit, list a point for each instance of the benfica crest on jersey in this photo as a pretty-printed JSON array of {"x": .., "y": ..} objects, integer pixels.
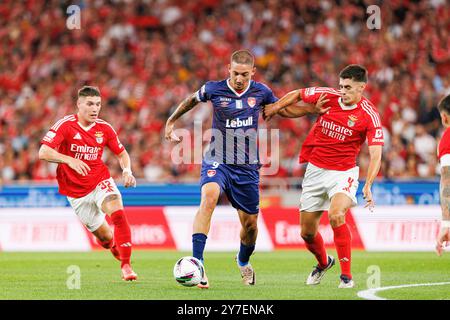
[
  {"x": 251, "y": 101},
  {"x": 99, "y": 137},
  {"x": 352, "y": 120}
]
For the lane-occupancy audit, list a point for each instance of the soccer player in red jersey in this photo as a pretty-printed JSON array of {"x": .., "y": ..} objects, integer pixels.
[
  {"x": 76, "y": 143},
  {"x": 331, "y": 177},
  {"x": 443, "y": 239}
]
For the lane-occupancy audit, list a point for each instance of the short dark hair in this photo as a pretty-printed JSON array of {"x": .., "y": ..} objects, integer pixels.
[
  {"x": 243, "y": 57},
  {"x": 444, "y": 104},
  {"x": 89, "y": 91},
  {"x": 354, "y": 72}
]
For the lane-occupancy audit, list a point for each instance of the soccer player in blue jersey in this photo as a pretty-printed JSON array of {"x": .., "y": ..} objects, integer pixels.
[{"x": 231, "y": 164}]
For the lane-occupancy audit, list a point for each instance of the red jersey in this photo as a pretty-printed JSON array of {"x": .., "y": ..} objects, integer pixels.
[
  {"x": 444, "y": 148},
  {"x": 336, "y": 138},
  {"x": 70, "y": 138}
]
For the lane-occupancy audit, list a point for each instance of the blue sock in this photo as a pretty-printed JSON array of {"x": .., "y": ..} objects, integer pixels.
[
  {"x": 198, "y": 245},
  {"x": 244, "y": 254}
]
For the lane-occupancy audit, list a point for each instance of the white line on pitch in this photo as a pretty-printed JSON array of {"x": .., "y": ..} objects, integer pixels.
[{"x": 370, "y": 294}]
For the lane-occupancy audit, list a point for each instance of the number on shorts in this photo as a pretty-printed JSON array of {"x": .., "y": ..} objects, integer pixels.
[
  {"x": 350, "y": 182},
  {"x": 107, "y": 185},
  {"x": 215, "y": 165}
]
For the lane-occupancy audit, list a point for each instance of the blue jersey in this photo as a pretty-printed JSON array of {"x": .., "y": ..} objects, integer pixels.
[{"x": 235, "y": 121}]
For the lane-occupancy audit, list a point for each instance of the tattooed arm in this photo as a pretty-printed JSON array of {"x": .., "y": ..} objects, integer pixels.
[
  {"x": 444, "y": 234},
  {"x": 186, "y": 105}
]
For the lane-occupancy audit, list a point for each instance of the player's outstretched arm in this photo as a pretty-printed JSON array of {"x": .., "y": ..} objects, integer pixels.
[
  {"x": 302, "y": 108},
  {"x": 186, "y": 105},
  {"x": 444, "y": 234},
  {"x": 372, "y": 172},
  {"x": 290, "y": 106},
  {"x": 288, "y": 99},
  {"x": 125, "y": 164},
  {"x": 48, "y": 154}
]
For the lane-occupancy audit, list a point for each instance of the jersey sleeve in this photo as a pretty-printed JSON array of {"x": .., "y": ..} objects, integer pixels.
[
  {"x": 204, "y": 93},
  {"x": 311, "y": 95},
  {"x": 113, "y": 141},
  {"x": 54, "y": 137},
  {"x": 375, "y": 136},
  {"x": 444, "y": 149},
  {"x": 269, "y": 97}
]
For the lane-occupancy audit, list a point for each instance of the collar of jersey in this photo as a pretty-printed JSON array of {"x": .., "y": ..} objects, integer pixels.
[
  {"x": 89, "y": 127},
  {"x": 234, "y": 91},
  {"x": 344, "y": 107}
]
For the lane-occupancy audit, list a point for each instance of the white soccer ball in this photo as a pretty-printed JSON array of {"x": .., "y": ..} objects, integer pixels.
[{"x": 188, "y": 271}]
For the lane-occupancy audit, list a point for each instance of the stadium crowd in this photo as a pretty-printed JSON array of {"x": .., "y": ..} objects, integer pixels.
[{"x": 147, "y": 56}]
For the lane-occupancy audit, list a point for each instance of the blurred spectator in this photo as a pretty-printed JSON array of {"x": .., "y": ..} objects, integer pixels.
[{"x": 424, "y": 144}]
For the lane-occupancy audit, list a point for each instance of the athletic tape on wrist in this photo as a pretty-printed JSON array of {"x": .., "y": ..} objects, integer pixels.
[{"x": 127, "y": 170}]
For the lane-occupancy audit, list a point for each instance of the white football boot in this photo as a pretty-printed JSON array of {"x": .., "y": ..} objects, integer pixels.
[
  {"x": 346, "y": 282},
  {"x": 317, "y": 274},
  {"x": 247, "y": 273},
  {"x": 204, "y": 283}
]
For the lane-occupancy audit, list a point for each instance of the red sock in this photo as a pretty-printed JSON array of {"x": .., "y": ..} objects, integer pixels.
[
  {"x": 343, "y": 243},
  {"x": 122, "y": 235},
  {"x": 105, "y": 244},
  {"x": 317, "y": 247}
]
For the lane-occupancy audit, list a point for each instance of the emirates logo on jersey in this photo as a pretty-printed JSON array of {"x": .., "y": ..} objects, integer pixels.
[
  {"x": 352, "y": 120},
  {"x": 251, "y": 101},
  {"x": 85, "y": 152},
  {"x": 335, "y": 131},
  {"x": 99, "y": 137}
]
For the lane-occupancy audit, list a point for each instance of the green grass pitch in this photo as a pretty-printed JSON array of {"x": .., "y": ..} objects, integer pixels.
[{"x": 280, "y": 275}]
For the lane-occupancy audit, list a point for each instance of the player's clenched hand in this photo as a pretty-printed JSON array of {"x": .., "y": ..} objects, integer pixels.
[
  {"x": 169, "y": 134},
  {"x": 443, "y": 240},
  {"x": 319, "y": 108},
  {"x": 367, "y": 195},
  {"x": 79, "y": 166},
  {"x": 265, "y": 118},
  {"x": 128, "y": 180},
  {"x": 270, "y": 110}
]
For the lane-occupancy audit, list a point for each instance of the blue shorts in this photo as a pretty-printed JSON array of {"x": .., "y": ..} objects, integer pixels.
[{"x": 241, "y": 185}]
